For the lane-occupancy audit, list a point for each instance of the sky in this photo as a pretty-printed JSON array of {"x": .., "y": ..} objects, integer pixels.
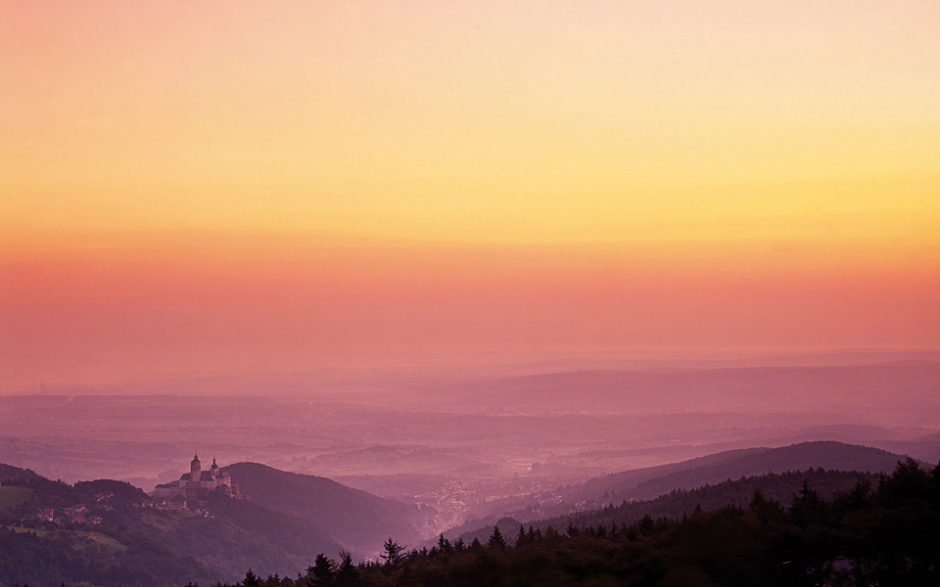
[{"x": 223, "y": 187}]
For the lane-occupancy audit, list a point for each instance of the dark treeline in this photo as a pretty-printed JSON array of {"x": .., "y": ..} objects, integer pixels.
[{"x": 882, "y": 533}]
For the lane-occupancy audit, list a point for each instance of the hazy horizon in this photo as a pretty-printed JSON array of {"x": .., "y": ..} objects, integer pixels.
[{"x": 334, "y": 375}]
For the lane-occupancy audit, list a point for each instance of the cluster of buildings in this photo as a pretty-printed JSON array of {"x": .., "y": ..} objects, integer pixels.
[
  {"x": 75, "y": 514},
  {"x": 189, "y": 493},
  {"x": 197, "y": 483}
]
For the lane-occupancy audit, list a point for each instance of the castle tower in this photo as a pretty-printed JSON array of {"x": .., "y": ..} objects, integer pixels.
[
  {"x": 214, "y": 469},
  {"x": 195, "y": 469}
]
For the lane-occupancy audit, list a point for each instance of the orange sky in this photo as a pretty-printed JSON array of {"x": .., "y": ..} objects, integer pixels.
[{"x": 203, "y": 187}]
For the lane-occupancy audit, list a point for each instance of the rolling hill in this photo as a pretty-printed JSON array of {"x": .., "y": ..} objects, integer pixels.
[
  {"x": 652, "y": 482},
  {"x": 357, "y": 520}
]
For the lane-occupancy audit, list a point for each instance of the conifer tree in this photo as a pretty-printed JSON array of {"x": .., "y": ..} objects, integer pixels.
[
  {"x": 392, "y": 554},
  {"x": 347, "y": 575},
  {"x": 496, "y": 539},
  {"x": 251, "y": 580},
  {"x": 521, "y": 537},
  {"x": 323, "y": 570},
  {"x": 443, "y": 545}
]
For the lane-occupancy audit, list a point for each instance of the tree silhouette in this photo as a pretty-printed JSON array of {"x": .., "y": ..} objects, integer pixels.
[
  {"x": 392, "y": 555},
  {"x": 496, "y": 539},
  {"x": 323, "y": 570},
  {"x": 251, "y": 580},
  {"x": 521, "y": 539},
  {"x": 443, "y": 545},
  {"x": 346, "y": 574}
]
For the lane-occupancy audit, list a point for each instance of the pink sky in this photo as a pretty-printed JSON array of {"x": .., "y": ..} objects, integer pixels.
[{"x": 190, "y": 188}]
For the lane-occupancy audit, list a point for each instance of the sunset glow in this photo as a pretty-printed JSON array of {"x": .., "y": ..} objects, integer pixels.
[{"x": 206, "y": 187}]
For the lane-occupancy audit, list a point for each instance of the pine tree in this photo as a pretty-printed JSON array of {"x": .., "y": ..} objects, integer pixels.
[
  {"x": 347, "y": 575},
  {"x": 496, "y": 539},
  {"x": 521, "y": 537},
  {"x": 323, "y": 570},
  {"x": 443, "y": 545},
  {"x": 251, "y": 580},
  {"x": 392, "y": 554}
]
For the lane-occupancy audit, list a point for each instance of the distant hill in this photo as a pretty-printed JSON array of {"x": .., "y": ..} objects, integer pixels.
[
  {"x": 652, "y": 482},
  {"x": 359, "y": 521},
  {"x": 759, "y": 389},
  {"x": 781, "y": 487}
]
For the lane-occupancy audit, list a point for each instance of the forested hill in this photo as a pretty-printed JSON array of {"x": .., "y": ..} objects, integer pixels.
[
  {"x": 10, "y": 473},
  {"x": 651, "y": 482},
  {"x": 358, "y": 520},
  {"x": 111, "y": 533},
  {"x": 781, "y": 487}
]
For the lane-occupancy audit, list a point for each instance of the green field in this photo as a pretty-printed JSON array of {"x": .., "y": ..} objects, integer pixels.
[
  {"x": 80, "y": 540},
  {"x": 83, "y": 540},
  {"x": 10, "y": 497},
  {"x": 21, "y": 530}
]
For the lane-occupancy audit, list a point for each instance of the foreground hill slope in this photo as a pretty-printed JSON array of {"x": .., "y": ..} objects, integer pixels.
[
  {"x": 358, "y": 520},
  {"x": 111, "y": 540},
  {"x": 109, "y": 532}
]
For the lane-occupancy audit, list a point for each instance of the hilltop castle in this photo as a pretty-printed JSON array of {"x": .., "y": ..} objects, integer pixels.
[{"x": 198, "y": 482}]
